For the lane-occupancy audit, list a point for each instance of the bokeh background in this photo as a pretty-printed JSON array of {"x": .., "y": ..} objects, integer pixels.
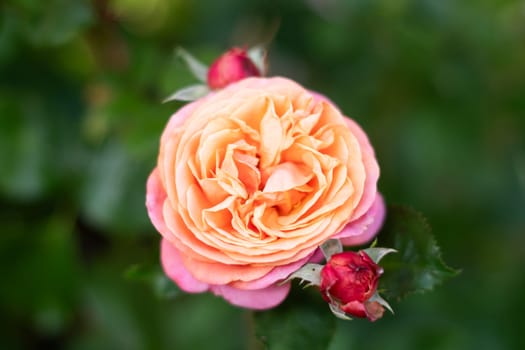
[{"x": 439, "y": 85}]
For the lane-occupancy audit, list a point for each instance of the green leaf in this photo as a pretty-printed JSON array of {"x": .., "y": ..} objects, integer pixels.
[
  {"x": 42, "y": 275},
  {"x": 378, "y": 253},
  {"x": 106, "y": 198},
  {"x": 309, "y": 273},
  {"x": 152, "y": 275},
  {"x": 199, "y": 69},
  {"x": 56, "y": 23},
  {"x": 258, "y": 56},
  {"x": 336, "y": 310},
  {"x": 40, "y": 147},
  {"x": 190, "y": 93},
  {"x": 331, "y": 247},
  {"x": 301, "y": 322},
  {"x": 418, "y": 266}
]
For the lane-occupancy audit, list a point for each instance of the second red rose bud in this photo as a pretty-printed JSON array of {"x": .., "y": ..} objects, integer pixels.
[{"x": 230, "y": 67}]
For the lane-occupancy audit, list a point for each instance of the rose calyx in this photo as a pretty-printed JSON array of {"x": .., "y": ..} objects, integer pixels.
[{"x": 234, "y": 65}]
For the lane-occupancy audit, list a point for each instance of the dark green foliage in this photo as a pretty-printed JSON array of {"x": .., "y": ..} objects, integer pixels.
[
  {"x": 417, "y": 266},
  {"x": 303, "y": 321},
  {"x": 153, "y": 276}
]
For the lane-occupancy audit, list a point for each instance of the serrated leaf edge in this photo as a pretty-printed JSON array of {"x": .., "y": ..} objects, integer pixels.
[{"x": 453, "y": 272}]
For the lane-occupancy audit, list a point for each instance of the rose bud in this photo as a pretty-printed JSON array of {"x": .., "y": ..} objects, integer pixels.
[
  {"x": 348, "y": 281},
  {"x": 232, "y": 66}
]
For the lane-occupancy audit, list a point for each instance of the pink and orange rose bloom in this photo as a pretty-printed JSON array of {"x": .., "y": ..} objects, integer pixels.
[{"x": 250, "y": 180}]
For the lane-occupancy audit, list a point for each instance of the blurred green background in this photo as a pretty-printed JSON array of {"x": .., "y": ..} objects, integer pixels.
[{"x": 439, "y": 85}]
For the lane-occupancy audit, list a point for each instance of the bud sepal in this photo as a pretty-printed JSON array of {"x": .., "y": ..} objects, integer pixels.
[{"x": 232, "y": 66}]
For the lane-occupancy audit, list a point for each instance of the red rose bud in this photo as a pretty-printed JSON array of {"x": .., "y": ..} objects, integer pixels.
[
  {"x": 348, "y": 281},
  {"x": 232, "y": 66}
]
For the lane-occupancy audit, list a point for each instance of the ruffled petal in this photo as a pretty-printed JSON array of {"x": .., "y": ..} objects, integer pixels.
[
  {"x": 174, "y": 269},
  {"x": 277, "y": 274},
  {"x": 371, "y": 166},
  {"x": 366, "y": 227},
  {"x": 286, "y": 176},
  {"x": 368, "y": 159}
]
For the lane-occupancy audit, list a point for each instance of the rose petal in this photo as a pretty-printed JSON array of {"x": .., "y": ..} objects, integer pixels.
[
  {"x": 259, "y": 299},
  {"x": 217, "y": 273},
  {"x": 368, "y": 158},
  {"x": 374, "y": 310},
  {"x": 371, "y": 166},
  {"x": 287, "y": 176},
  {"x": 271, "y": 136},
  {"x": 174, "y": 268},
  {"x": 155, "y": 197},
  {"x": 179, "y": 118},
  {"x": 277, "y": 274},
  {"x": 317, "y": 256},
  {"x": 354, "y": 308},
  {"x": 366, "y": 227}
]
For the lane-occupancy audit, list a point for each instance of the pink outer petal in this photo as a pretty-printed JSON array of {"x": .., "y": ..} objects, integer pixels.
[
  {"x": 155, "y": 197},
  {"x": 366, "y": 227},
  {"x": 179, "y": 117},
  {"x": 174, "y": 269},
  {"x": 372, "y": 169},
  {"x": 317, "y": 256},
  {"x": 260, "y": 299},
  {"x": 277, "y": 274}
]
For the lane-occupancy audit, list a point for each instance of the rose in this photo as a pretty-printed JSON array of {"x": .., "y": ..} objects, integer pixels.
[
  {"x": 348, "y": 281},
  {"x": 230, "y": 67},
  {"x": 250, "y": 180}
]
